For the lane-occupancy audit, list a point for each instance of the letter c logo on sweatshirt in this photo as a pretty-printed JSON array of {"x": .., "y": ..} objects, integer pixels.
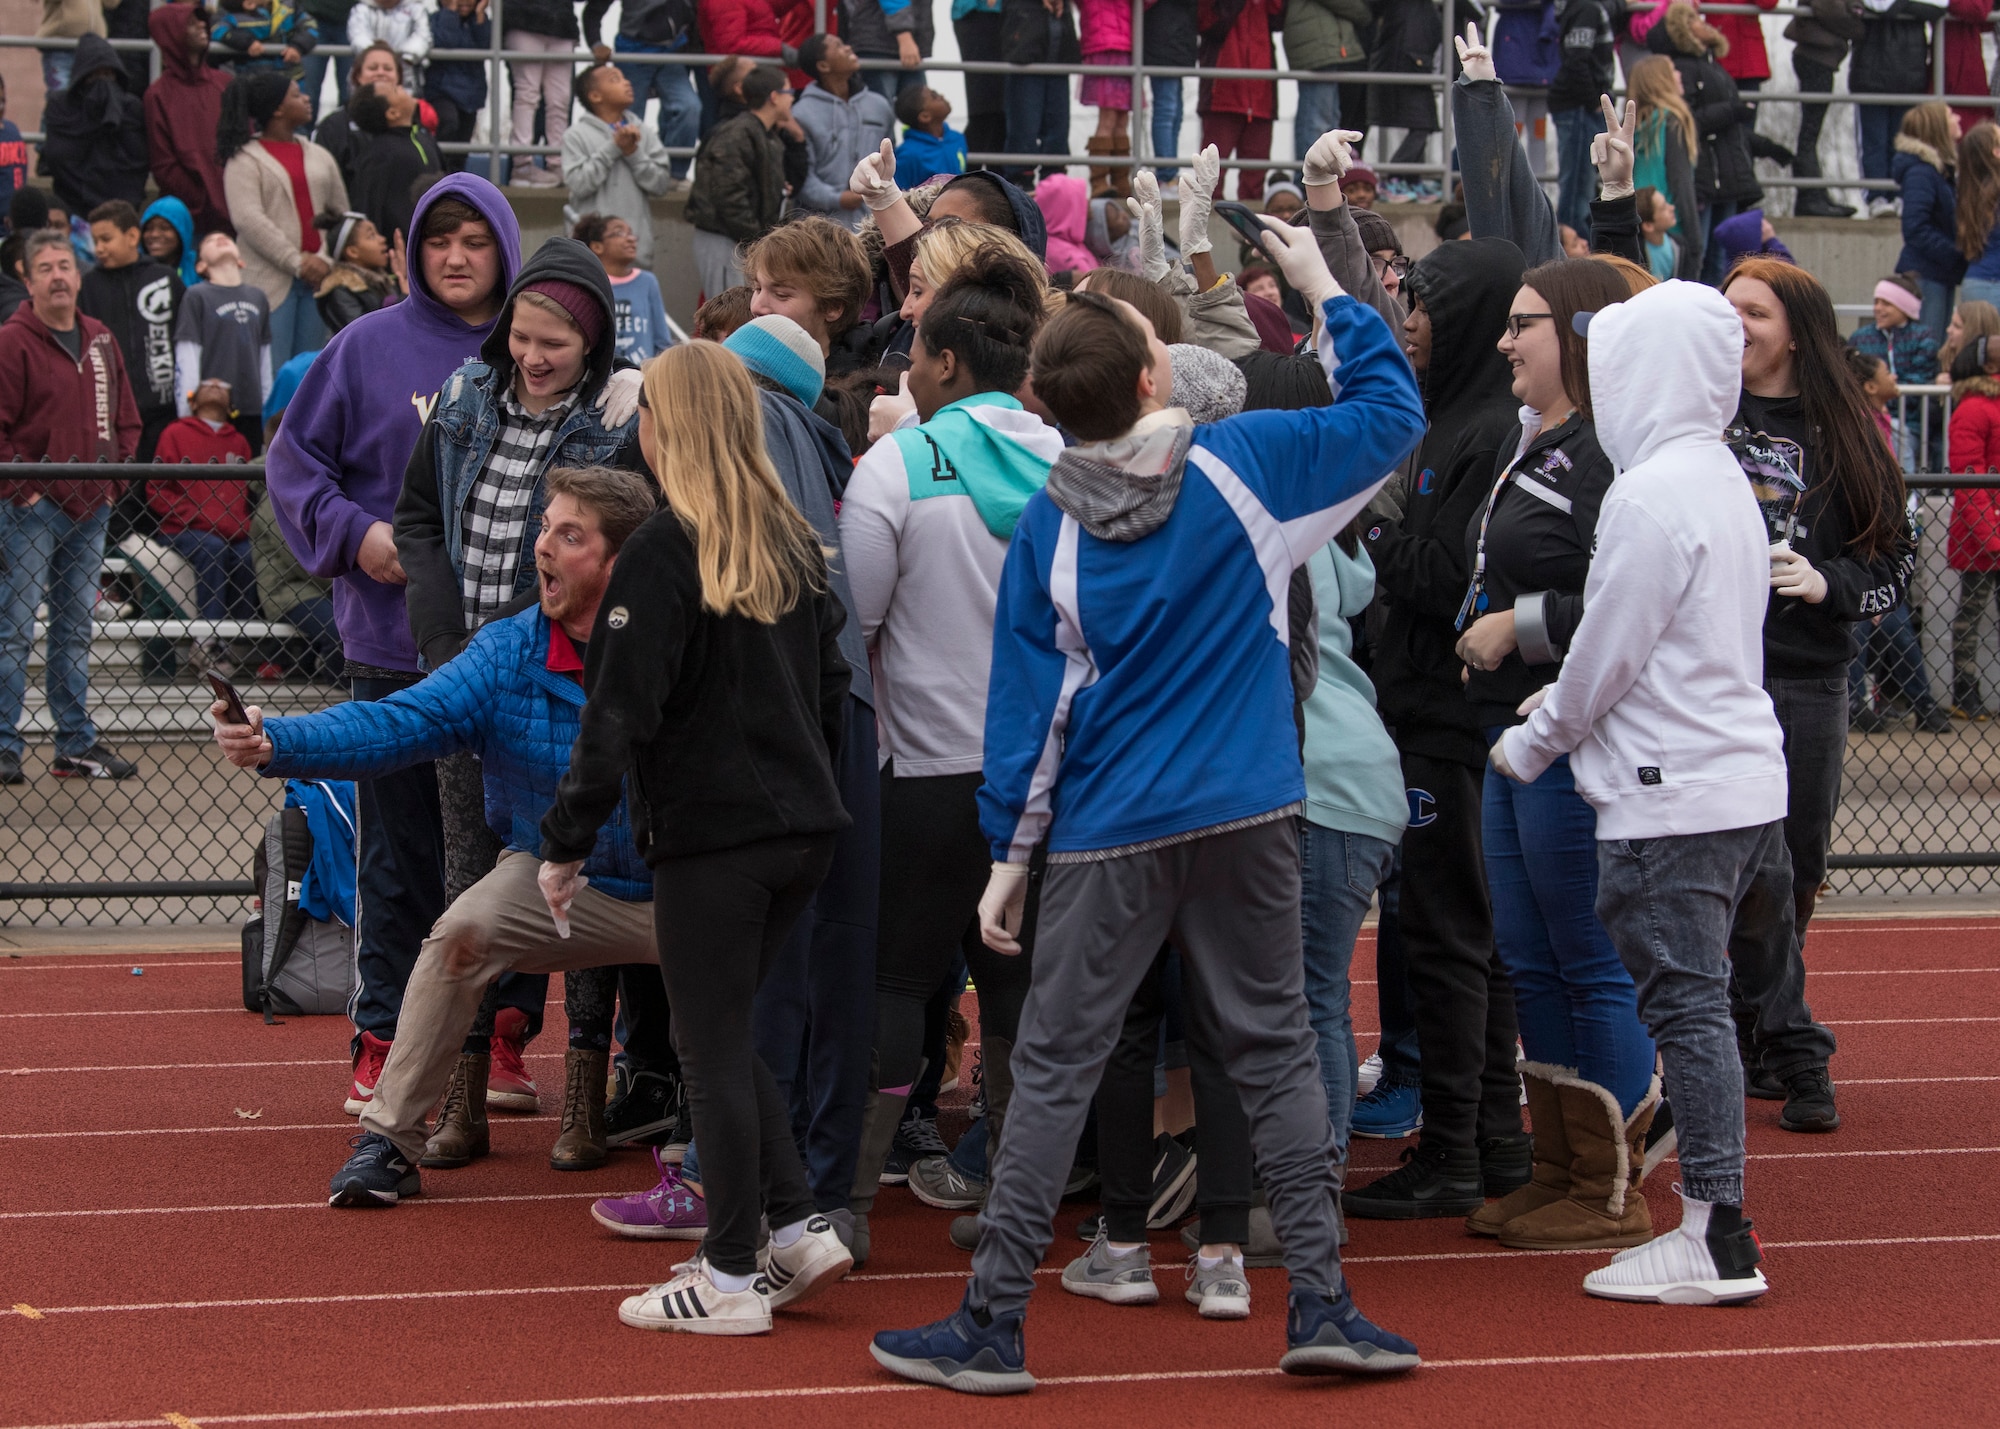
[{"x": 1423, "y": 808}]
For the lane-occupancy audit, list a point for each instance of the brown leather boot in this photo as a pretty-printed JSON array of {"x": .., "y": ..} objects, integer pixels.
[
  {"x": 581, "y": 1146},
  {"x": 1603, "y": 1210},
  {"x": 1121, "y": 179},
  {"x": 460, "y": 1134},
  {"x": 1550, "y": 1180},
  {"x": 1100, "y": 175}
]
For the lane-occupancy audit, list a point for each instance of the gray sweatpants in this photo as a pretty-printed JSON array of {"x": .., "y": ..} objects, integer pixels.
[{"x": 1230, "y": 904}]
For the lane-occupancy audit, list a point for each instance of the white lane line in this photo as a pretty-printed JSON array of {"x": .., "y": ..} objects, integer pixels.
[
  {"x": 1904, "y": 1021},
  {"x": 1912, "y": 1151},
  {"x": 885, "y": 1386},
  {"x": 245, "y": 1125},
  {"x": 108, "y": 964},
  {"x": 219, "y": 1066},
  {"x": 390, "y": 1296},
  {"x": 1893, "y": 972},
  {"x": 290, "y": 1206},
  {"x": 1861, "y": 926},
  {"x": 139, "y": 1012}
]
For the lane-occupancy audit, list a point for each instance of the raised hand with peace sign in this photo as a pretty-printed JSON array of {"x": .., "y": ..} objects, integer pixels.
[{"x": 1611, "y": 151}]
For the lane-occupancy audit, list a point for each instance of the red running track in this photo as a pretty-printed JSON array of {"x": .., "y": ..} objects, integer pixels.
[{"x": 167, "y": 1260}]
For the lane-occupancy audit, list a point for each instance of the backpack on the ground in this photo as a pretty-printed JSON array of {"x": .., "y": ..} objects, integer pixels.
[{"x": 298, "y": 952}]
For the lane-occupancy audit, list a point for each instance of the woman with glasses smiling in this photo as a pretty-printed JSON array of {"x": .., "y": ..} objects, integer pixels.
[{"x": 1589, "y": 1073}]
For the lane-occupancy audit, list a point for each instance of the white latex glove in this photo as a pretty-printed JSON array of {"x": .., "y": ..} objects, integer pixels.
[
  {"x": 1534, "y": 701},
  {"x": 874, "y": 178},
  {"x": 560, "y": 883},
  {"x": 1149, "y": 213},
  {"x": 1299, "y": 259},
  {"x": 1611, "y": 151},
  {"x": 619, "y": 402},
  {"x": 1473, "y": 56},
  {"x": 1331, "y": 156},
  {"x": 1001, "y": 907},
  {"x": 1198, "y": 200},
  {"x": 1498, "y": 754},
  {"x": 1793, "y": 574},
  {"x": 887, "y": 412}
]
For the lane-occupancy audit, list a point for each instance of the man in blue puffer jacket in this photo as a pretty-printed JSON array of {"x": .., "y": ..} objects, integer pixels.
[{"x": 514, "y": 697}]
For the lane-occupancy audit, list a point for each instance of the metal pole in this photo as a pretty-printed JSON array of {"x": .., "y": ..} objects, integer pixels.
[
  {"x": 819, "y": 17},
  {"x": 1449, "y": 131},
  {"x": 1141, "y": 135},
  {"x": 493, "y": 136},
  {"x": 1937, "y": 55}
]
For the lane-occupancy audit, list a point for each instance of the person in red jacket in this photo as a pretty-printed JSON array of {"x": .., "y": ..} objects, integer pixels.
[
  {"x": 1964, "y": 64},
  {"x": 768, "y": 29},
  {"x": 63, "y": 397},
  {"x": 1973, "y": 546},
  {"x": 183, "y": 112},
  {"x": 1236, "y": 114},
  {"x": 208, "y": 522}
]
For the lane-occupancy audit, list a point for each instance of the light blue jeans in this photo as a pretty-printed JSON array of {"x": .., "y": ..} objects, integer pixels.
[
  {"x": 680, "y": 107},
  {"x": 50, "y": 556},
  {"x": 314, "y": 79},
  {"x": 1166, "y": 123},
  {"x": 295, "y": 326},
  {"x": 1319, "y": 111},
  {"x": 1576, "y": 183},
  {"x": 1338, "y": 875}
]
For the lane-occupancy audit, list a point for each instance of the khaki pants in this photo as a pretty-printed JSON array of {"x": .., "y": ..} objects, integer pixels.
[{"x": 499, "y": 923}]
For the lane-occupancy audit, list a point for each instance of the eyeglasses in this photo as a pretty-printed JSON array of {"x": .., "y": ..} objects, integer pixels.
[
  {"x": 1400, "y": 266},
  {"x": 1517, "y": 321}
]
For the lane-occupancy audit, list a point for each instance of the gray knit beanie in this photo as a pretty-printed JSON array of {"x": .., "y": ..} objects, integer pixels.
[{"x": 1208, "y": 385}]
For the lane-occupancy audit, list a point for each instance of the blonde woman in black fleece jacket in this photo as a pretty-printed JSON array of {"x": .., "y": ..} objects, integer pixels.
[{"x": 716, "y": 691}]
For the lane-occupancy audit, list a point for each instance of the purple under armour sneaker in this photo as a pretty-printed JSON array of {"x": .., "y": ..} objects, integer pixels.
[{"x": 670, "y": 1211}]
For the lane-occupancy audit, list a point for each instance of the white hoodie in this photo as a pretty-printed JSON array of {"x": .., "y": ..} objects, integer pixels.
[{"x": 1661, "y": 699}]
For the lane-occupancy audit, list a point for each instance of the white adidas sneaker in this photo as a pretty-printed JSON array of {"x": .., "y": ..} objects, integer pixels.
[
  {"x": 694, "y": 1304},
  {"x": 1710, "y": 1258},
  {"x": 808, "y": 1265}
]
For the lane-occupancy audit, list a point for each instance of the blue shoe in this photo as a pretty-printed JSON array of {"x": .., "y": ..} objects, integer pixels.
[
  {"x": 1328, "y": 1335},
  {"x": 959, "y": 1353},
  {"x": 377, "y": 1174},
  {"x": 1389, "y": 1113}
]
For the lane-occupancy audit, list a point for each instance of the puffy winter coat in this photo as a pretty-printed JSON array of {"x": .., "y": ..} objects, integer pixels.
[
  {"x": 744, "y": 27},
  {"x": 1893, "y": 56},
  {"x": 1722, "y": 169},
  {"x": 183, "y": 111},
  {"x": 1172, "y": 34},
  {"x": 1974, "y": 542},
  {"x": 1104, "y": 25},
  {"x": 1527, "y": 42},
  {"x": 1246, "y": 44},
  {"x": 1746, "y": 58},
  {"x": 1825, "y": 34},
  {"x": 1320, "y": 34},
  {"x": 1031, "y": 35},
  {"x": 500, "y": 700},
  {"x": 1407, "y": 43},
  {"x": 1930, "y": 213}
]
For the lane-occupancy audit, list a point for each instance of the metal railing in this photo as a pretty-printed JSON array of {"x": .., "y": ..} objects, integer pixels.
[
  {"x": 1920, "y": 806},
  {"x": 1138, "y": 72}
]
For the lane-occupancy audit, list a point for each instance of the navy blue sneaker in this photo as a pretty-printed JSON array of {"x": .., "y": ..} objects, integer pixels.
[
  {"x": 377, "y": 1174},
  {"x": 959, "y": 1353},
  {"x": 1328, "y": 1335}
]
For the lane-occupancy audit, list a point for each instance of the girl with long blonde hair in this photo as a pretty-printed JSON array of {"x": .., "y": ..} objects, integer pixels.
[
  {"x": 1665, "y": 148},
  {"x": 716, "y": 701}
]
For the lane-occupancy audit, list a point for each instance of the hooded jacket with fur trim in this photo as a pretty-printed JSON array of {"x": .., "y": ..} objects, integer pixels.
[
  {"x": 1723, "y": 171},
  {"x": 1930, "y": 212},
  {"x": 1661, "y": 704}
]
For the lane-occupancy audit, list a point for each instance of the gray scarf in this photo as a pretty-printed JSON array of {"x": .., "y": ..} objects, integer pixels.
[{"x": 1113, "y": 502}]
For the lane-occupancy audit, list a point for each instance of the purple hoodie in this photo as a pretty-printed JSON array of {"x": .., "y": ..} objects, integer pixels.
[{"x": 336, "y": 467}]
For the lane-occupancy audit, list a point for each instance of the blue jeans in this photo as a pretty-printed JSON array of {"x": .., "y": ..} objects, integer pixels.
[
  {"x": 1037, "y": 114},
  {"x": 680, "y": 107},
  {"x": 1338, "y": 875},
  {"x": 314, "y": 79},
  {"x": 1574, "y": 999},
  {"x": 1166, "y": 123},
  {"x": 1668, "y": 904},
  {"x": 56, "y": 66},
  {"x": 891, "y": 82},
  {"x": 224, "y": 580},
  {"x": 1319, "y": 111},
  {"x": 1577, "y": 181},
  {"x": 1402, "y": 1063},
  {"x": 1979, "y": 290},
  {"x": 1891, "y": 648},
  {"x": 1937, "y": 307},
  {"x": 1878, "y": 124},
  {"x": 295, "y": 326},
  {"x": 54, "y": 557}
]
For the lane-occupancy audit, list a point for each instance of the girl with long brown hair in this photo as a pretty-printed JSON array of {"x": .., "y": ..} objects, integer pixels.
[
  {"x": 716, "y": 693},
  {"x": 1664, "y": 150},
  {"x": 1842, "y": 555},
  {"x": 1923, "y": 167},
  {"x": 1979, "y": 213}
]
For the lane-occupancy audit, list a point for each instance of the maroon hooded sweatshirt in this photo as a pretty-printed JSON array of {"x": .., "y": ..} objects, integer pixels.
[
  {"x": 183, "y": 112},
  {"x": 54, "y": 407}
]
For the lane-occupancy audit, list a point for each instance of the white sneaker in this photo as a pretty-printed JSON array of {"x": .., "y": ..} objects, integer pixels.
[
  {"x": 696, "y": 1305},
  {"x": 529, "y": 176},
  {"x": 1710, "y": 1258},
  {"x": 1368, "y": 1076},
  {"x": 1883, "y": 208},
  {"x": 808, "y": 1265},
  {"x": 1220, "y": 1291},
  {"x": 1117, "y": 1279}
]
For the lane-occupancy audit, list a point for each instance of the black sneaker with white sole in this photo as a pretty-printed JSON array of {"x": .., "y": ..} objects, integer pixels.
[
  {"x": 96, "y": 762},
  {"x": 647, "y": 1112},
  {"x": 377, "y": 1174}
]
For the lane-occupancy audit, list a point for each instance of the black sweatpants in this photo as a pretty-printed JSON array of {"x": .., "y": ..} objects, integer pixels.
[
  {"x": 1463, "y": 1002},
  {"x": 722, "y": 918}
]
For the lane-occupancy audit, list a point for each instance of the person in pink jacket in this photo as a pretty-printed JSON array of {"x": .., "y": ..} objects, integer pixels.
[
  {"x": 1065, "y": 206},
  {"x": 1106, "y": 27}
]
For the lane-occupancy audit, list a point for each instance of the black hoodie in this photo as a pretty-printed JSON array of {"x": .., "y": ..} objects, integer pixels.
[
  {"x": 433, "y": 596},
  {"x": 1420, "y": 569},
  {"x": 138, "y": 303},
  {"x": 96, "y": 145}
]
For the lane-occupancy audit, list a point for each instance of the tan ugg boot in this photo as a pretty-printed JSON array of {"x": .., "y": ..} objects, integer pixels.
[
  {"x": 581, "y": 1146},
  {"x": 1121, "y": 178},
  {"x": 461, "y": 1132},
  {"x": 1604, "y": 1209},
  {"x": 1100, "y": 175},
  {"x": 1550, "y": 1181}
]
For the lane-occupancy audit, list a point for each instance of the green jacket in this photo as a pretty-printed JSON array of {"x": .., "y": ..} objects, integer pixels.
[
  {"x": 281, "y": 581},
  {"x": 1320, "y": 34}
]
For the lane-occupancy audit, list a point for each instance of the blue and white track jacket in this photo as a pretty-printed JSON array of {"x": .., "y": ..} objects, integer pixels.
[{"x": 1141, "y": 689}]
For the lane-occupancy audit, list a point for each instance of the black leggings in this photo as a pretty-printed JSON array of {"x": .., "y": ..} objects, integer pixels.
[
  {"x": 935, "y": 864},
  {"x": 1125, "y": 1128},
  {"x": 590, "y": 1002},
  {"x": 722, "y": 918}
]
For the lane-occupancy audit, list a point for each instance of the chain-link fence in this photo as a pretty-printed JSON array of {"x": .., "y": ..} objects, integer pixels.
[{"x": 1920, "y": 810}]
